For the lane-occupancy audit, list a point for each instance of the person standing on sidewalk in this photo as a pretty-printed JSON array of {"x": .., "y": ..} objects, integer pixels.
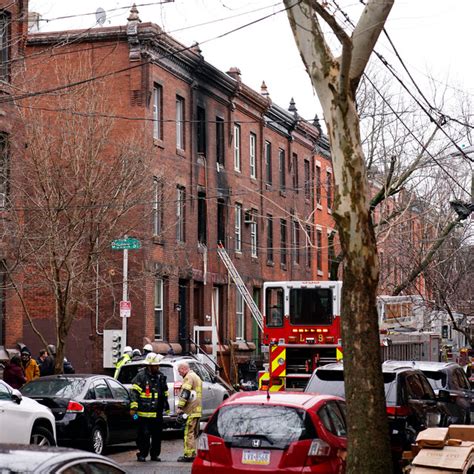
[
  {"x": 30, "y": 367},
  {"x": 149, "y": 399},
  {"x": 190, "y": 407}
]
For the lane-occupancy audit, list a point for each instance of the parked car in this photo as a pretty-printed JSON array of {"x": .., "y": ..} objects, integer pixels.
[
  {"x": 213, "y": 389},
  {"x": 451, "y": 378},
  {"x": 283, "y": 432},
  {"x": 92, "y": 410},
  {"x": 23, "y": 420},
  {"x": 412, "y": 405},
  {"x": 53, "y": 460}
]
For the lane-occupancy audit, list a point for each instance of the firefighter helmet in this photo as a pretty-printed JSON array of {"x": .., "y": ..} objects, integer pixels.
[
  {"x": 127, "y": 350},
  {"x": 153, "y": 359}
]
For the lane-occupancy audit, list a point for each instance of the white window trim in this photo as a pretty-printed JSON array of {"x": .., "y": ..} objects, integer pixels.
[
  {"x": 237, "y": 155},
  {"x": 156, "y": 206},
  {"x": 179, "y": 123},
  {"x": 238, "y": 227},
  {"x": 239, "y": 316},
  {"x": 156, "y": 112},
  {"x": 253, "y": 155},
  {"x": 159, "y": 307},
  {"x": 253, "y": 240}
]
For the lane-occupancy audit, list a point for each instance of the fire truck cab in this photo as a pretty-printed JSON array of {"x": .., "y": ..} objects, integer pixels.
[{"x": 301, "y": 331}]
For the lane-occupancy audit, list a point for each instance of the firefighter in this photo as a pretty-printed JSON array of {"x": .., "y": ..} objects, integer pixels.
[
  {"x": 126, "y": 357},
  {"x": 149, "y": 399},
  {"x": 190, "y": 408}
]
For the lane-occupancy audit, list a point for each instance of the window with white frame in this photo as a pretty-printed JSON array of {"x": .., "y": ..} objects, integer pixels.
[
  {"x": 281, "y": 169},
  {"x": 180, "y": 207},
  {"x": 253, "y": 238},
  {"x": 239, "y": 317},
  {"x": 157, "y": 107},
  {"x": 253, "y": 155},
  {"x": 237, "y": 157},
  {"x": 238, "y": 227},
  {"x": 157, "y": 214},
  {"x": 159, "y": 309},
  {"x": 179, "y": 123}
]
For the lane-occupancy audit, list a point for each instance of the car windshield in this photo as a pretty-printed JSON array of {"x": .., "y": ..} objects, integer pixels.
[
  {"x": 437, "y": 379},
  {"x": 275, "y": 426},
  {"x": 128, "y": 372},
  {"x": 331, "y": 382},
  {"x": 60, "y": 387}
]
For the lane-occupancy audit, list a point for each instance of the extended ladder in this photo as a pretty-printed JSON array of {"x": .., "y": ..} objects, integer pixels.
[{"x": 257, "y": 315}]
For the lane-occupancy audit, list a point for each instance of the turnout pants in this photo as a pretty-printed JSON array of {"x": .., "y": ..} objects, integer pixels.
[
  {"x": 191, "y": 432},
  {"x": 149, "y": 428}
]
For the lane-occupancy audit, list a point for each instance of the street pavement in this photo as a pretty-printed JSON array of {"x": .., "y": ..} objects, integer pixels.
[{"x": 171, "y": 449}]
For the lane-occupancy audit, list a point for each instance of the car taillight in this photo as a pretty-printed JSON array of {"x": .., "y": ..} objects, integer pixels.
[
  {"x": 319, "y": 448},
  {"x": 203, "y": 442},
  {"x": 398, "y": 411},
  {"x": 177, "y": 388},
  {"x": 74, "y": 407}
]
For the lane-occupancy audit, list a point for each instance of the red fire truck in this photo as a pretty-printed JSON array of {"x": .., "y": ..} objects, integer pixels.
[{"x": 301, "y": 330}]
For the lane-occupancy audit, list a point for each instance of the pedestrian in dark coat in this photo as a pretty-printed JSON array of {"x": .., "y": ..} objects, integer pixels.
[
  {"x": 13, "y": 373},
  {"x": 47, "y": 364}
]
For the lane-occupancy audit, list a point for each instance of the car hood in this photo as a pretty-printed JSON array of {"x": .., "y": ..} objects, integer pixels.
[{"x": 33, "y": 405}]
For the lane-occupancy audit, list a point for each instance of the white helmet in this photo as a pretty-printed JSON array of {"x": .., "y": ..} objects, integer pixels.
[
  {"x": 127, "y": 349},
  {"x": 148, "y": 347},
  {"x": 153, "y": 359}
]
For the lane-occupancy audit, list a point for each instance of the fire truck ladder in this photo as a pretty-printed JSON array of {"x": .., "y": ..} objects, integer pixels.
[{"x": 257, "y": 315}]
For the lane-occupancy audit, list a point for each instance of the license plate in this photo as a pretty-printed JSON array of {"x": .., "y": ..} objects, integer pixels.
[{"x": 252, "y": 456}]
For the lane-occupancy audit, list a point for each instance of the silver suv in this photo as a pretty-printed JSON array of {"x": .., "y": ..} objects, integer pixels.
[{"x": 214, "y": 389}]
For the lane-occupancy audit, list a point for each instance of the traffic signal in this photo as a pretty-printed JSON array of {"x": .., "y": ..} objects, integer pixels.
[{"x": 116, "y": 347}]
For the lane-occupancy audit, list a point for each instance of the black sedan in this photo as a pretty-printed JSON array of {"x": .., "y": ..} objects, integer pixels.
[
  {"x": 92, "y": 410},
  {"x": 51, "y": 460}
]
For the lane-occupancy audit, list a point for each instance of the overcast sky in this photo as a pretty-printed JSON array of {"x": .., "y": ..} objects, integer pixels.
[{"x": 430, "y": 35}]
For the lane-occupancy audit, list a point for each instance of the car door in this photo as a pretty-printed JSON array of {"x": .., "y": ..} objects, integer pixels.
[
  {"x": 14, "y": 422},
  {"x": 120, "y": 408},
  {"x": 206, "y": 389},
  {"x": 106, "y": 408}
]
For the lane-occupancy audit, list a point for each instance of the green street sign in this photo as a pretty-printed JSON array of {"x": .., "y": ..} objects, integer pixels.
[{"x": 126, "y": 244}]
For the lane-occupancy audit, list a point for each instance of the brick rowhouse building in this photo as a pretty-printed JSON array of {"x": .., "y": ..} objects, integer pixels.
[
  {"x": 228, "y": 166},
  {"x": 13, "y": 32}
]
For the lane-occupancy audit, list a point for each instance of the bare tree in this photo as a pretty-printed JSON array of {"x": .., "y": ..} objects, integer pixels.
[{"x": 335, "y": 80}]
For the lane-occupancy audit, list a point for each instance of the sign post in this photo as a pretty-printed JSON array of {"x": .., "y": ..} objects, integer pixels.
[{"x": 125, "y": 244}]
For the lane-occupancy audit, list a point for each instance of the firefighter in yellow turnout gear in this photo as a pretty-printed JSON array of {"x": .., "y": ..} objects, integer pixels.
[{"x": 190, "y": 406}]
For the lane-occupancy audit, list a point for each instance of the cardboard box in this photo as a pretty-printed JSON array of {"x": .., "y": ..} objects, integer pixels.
[
  {"x": 432, "y": 438},
  {"x": 462, "y": 432}
]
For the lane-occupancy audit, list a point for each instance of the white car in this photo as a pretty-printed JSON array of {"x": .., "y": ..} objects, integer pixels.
[{"x": 23, "y": 420}]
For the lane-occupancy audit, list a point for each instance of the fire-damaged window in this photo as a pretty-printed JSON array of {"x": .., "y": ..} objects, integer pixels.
[
  {"x": 221, "y": 209},
  {"x": 310, "y": 306},
  {"x": 202, "y": 218},
  {"x": 4, "y": 46},
  {"x": 4, "y": 170},
  {"x": 201, "y": 130}
]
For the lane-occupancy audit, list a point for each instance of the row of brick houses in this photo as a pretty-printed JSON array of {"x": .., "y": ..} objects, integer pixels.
[{"x": 227, "y": 165}]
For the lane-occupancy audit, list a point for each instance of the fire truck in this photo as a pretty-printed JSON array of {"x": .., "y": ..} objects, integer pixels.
[{"x": 301, "y": 331}]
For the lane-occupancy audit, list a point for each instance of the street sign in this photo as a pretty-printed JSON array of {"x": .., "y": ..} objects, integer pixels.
[
  {"x": 129, "y": 243},
  {"x": 125, "y": 309}
]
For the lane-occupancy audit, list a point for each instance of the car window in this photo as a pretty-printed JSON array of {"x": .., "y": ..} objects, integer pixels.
[
  {"x": 437, "y": 379},
  {"x": 333, "y": 419},
  {"x": 5, "y": 394},
  {"x": 58, "y": 387},
  {"x": 418, "y": 388},
  {"x": 95, "y": 467},
  {"x": 459, "y": 380},
  {"x": 101, "y": 390},
  {"x": 118, "y": 392},
  {"x": 330, "y": 382},
  {"x": 129, "y": 371},
  {"x": 204, "y": 374},
  {"x": 276, "y": 426}
]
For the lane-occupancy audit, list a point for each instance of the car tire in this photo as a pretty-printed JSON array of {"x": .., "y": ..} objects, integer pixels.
[
  {"x": 97, "y": 440},
  {"x": 41, "y": 436}
]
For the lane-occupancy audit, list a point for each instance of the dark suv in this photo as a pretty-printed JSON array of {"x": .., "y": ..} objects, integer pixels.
[
  {"x": 412, "y": 404},
  {"x": 451, "y": 378}
]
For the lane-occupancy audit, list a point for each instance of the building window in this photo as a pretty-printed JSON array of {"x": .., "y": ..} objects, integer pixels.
[
  {"x": 296, "y": 241},
  {"x": 329, "y": 188},
  {"x": 237, "y": 157},
  {"x": 180, "y": 120},
  {"x": 281, "y": 168},
  {"x": 269, "y": 238},
  {"x": 202, "y": 218},
  {"x": 254, "y": 237},
  {"x": 239, "y": 317},
  {"x": 180, "y": 217},
  {"x": 3, "y": 276},
  {"x": 4, "y": 46},
  {"x": 220, "y": 143},
  {"x": 157, "y": 217},
  {"x": 319, "y": 251},
  {"x": 308, "y": 246},
  {"x": 4, "y": 170},
  {"x": 283, "y": 241},
  {"x": 268, "y": 162},
  {"x": 159, "y": 309},
  {"x": 238, "y": 227},
  {"x": 307, "y": 180},
  {"x": 318, "y": 185},
  {"x": 157, "y": 110},
  {"x": 253, "y": 155},
  {"x": 201, "y": 130},
  {"x": 296, "y": 183},
  {"x": 221, "y": 208}
]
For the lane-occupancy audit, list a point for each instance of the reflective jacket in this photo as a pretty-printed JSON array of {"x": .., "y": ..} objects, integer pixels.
[
  {"x": 149, "y": 394},
  {"x": 122, "y": 361},
  {"x": 190, "y": 397}
]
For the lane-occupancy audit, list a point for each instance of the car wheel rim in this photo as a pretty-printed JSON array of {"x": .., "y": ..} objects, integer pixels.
[
  {"x": 98, "y": 441},
  {"x": 40, "y": 440}
]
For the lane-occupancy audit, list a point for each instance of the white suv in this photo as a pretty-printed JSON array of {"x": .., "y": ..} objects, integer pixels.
[
  {"x": 23, "y": 420},
  {"x": 214, "y": 389}
]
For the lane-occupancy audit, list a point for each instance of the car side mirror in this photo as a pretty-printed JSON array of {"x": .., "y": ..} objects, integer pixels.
[
  {"x": 16, "y": 396},
  {"x": 444, "y": 396}
]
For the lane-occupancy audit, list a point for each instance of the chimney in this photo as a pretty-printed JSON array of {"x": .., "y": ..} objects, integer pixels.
[
  {"x": 234, "y": 73},
  {"x": 264, "y": 90}
]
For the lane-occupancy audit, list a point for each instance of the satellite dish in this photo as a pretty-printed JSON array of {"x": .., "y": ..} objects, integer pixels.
[{"x": 100, "y": 16}]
